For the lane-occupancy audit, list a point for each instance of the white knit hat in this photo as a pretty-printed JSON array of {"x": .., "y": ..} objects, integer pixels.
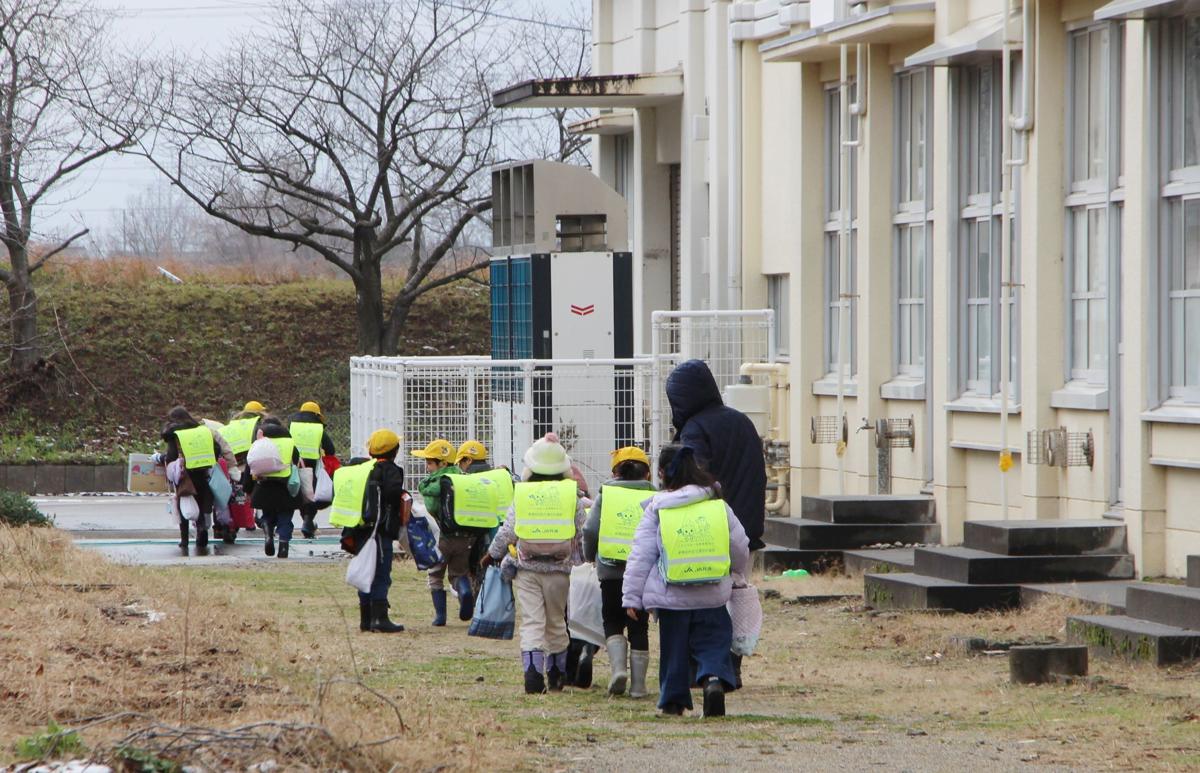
[{"x": 547, "y": 457}]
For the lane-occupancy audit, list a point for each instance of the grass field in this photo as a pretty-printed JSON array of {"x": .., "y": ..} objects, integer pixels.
[
  {"x": 128, "y": 345},
  {"x": 834, "y": 686}
]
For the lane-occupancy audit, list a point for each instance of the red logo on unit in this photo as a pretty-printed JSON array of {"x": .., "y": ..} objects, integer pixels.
[{"x": 583, "y": 311}]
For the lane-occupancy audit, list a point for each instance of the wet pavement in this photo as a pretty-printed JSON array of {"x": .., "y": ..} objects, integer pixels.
[{"x": 142, "y": 530}]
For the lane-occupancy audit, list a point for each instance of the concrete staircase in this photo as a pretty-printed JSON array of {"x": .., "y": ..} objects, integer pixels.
[
  {"x": 997, "y": 558},
  {"x": 1161, "y": 623},
  {"x": 829, "y": 526}
]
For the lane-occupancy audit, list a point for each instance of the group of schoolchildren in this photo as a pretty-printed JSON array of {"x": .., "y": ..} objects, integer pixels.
[
  {"x": 674, "y": 552},
  {"x": 213, "y": 470}
]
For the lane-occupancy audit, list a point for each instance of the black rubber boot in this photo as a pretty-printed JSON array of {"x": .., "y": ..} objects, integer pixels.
[
  {"x": 737, "y": 670},
  {"x": 533, "y": 663},
  {"x": 556, "y": 671},
  {"x": 283, "y": 550},
  {"x": 183, "y": 536},
  {"x": 201, "y": 540},
  {"x": 364, "y": 615},
  {"x": 439, "y": 607},
  {"x": 308, "y": 526},
  {"x": 714, "y": 698},
  {"x": 379, "y": 619},
  {"x": 466, "y": 599},
  {"x": 269, "y": 544}
]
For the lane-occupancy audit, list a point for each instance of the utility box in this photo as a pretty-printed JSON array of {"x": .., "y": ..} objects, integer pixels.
[{"x": 561, "y": 289}]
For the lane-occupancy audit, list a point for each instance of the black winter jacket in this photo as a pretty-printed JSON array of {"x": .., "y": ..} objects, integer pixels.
[
  {"x": 271, "y": 494},
  {"x": 725, "y": 441}
]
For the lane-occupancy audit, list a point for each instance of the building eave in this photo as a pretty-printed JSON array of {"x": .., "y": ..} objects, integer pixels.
[
  {"x": 889, "y": 24},
  {"x": 1145, "y": 9},
  {"x": 615, "y": 122},
  {"x": 598, "y": 91}
]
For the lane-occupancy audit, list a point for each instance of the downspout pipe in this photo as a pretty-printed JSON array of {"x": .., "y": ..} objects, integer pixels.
[
  {"x": 1023, "y": 122},
  {"x": 778, "y": 474},
  {"x": 734, "y": 266}
]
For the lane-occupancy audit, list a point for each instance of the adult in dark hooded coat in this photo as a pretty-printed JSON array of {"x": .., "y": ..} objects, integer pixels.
[{"x": 725, "y": 441}]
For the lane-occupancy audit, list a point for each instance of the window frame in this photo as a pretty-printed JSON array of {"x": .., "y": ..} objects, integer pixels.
[
  {"x": 779, "y": 301},
  {"x": 910, "y": 213},
  {"x": 831, "y": 256}
]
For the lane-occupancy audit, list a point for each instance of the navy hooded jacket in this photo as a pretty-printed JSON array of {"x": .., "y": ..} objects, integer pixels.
[{"x": 725, "y": 441}]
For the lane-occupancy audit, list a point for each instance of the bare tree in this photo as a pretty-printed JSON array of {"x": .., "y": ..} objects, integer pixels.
[
  {"x": 355, "y": 129},
  {"x": 61, "y": 95}
]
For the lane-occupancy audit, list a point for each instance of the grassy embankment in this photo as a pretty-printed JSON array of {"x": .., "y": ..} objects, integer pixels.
[
  {"x": 276, "y": 642},
  {"x": 128, "y": 344}
]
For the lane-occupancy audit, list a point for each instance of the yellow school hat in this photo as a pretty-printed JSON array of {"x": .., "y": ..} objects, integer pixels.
[
  {"x": 473, "y": 450},
  {"x": 439, "y": 450},
  {"x": 311, "y": 407},
  {"x": 630, "y": 454},
  {"x": 254, "y": 406},
  {"x": 382, "y": 441}
]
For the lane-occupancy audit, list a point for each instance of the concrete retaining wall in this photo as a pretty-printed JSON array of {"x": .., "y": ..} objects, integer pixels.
[{"x": 62, "y": 478}]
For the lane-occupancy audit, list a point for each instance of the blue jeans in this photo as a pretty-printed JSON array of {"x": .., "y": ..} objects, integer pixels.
[
  {"x": 692, "y": 636},
  {"x": 383, "y": 572},
  {"x": 280, "y": 524}
]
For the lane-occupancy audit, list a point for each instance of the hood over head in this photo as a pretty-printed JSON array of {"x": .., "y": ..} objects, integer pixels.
[{"x": 690, "y": 389}]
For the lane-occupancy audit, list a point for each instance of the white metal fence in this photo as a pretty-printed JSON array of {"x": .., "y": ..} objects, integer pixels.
[{"x": 594, "y": 405}]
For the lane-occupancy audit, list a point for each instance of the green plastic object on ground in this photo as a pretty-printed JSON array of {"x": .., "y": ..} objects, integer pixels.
[{"x": 787, "y": 573}]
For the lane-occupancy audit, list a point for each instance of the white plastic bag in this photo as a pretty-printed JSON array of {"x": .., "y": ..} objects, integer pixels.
[
  {"x": 585, "y": 611},
  {"x": 745, "y": 612},
  {"x": 306, "y": 485},
  {"x": 323, "y": 492},
  {"x": 361, "y": 571},
  {"x": 189, "y": 508},
  {"x": 263, "y": 458}
]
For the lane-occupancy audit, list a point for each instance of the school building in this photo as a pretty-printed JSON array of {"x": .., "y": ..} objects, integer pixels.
[{"x": 980, "y": 215}]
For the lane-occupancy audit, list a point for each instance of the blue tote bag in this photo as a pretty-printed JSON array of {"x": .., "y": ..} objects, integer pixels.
[
  {"x": 496, "y": 609},
  {"x": 423, "y": 543}
]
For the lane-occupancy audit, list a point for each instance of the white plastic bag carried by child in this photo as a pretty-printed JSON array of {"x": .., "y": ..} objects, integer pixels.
[
  {"x": 361, "y": 571},
  {"x": 745, "y": 612},
  {"x": 585, "y": 612},
  {"x": 263, "y": 458},
  {"x": 189, "y": 508},
  {"x": 323, "y": 492}
]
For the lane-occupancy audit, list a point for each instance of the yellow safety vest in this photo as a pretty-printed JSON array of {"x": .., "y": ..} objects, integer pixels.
[
  {"x": 196, "y": 445},
  {"x": 695, "y": 542},
  {"x": 546, "y": 510},
  {"x": 349, "y": 494},
  {"x": 504, "y": 489},
  {"x": 474, "y": 501},
  {"x": 307, "y": 435},
  {"x": 286, "y": 446},
  {"x": 620, "y": 513},
  {"x": 239, "y": 433}
]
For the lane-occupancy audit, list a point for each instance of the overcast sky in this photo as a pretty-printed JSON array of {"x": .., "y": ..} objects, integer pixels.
[{"x": 99, "y": 195}]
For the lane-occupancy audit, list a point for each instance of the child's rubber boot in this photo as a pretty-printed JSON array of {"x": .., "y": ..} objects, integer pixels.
[
  {"x": 534, "y": 663},
  {"x": 618, "y": 652},
  {"x": 466, "y": 599},
  {"x": 639, "y": 664},
  {"x": 714, "y": 697},
  {"x": 183, "y": 536},
  {"x": 379, "y": 619},
  {"x": 364, "y": 615},
  {"x": 737, "y": 670},
  {"x": 283, "y": 550},
  {"x": 583, "y": 669},
  {"x": 556, "y": 671},
  {"x": 439, "y": 607}
]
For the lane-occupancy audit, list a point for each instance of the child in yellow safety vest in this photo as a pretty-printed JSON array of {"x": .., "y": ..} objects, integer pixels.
[
  {"x": 456, "y": 540},
  {"x": 545, "y": 523},
  {"x": 687, "y": 546},
  {"x": 607, "y": 540}
]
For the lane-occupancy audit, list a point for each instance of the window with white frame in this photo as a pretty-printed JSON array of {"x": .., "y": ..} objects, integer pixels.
[
  {"x": 1094, "y": 195},
  {"x": 1180, "y": 242},
  {"x": 978, "y": 108},
  {"x": 911, "y": 220},
  {"x": 834, "y": 301},
  {"x": 777, "y": 301}
]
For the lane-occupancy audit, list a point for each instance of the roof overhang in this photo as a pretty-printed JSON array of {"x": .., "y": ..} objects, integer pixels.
[
  {"x": 982, "y": 37},
  {"x": 644, "y": 90},
  {"x": 616, "y": 122},
  {"x": 888, "y": 24},
  {"x": 1145, "y": 9},
  {"x": 805, "y": 46}
]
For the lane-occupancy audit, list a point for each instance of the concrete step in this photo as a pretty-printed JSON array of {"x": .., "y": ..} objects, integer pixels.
[
  {"x": 905, "y": 590},
  {"x": 878, "y": 561},
  {"x": 819, "y": 535},
  {"x": 1193, "y": 571},
  {"x": 1045, "y": 538},
  {"x": 777, "y": 558},
  {"x": 1135, "y": 639},
  {"x": 1104, "y": 596},
  {"x": 868, "y": 509},
  {"x": 981, "y": 568},
  {"x": 1175, "y": 605}
]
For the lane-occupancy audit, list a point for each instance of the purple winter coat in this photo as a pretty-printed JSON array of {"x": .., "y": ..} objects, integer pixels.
[{"x": 645, "y": 587}]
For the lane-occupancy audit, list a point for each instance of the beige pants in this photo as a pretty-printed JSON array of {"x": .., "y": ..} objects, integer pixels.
[
  {"x": 457, "y": 552},
  {"x": 542, "y": 599}
]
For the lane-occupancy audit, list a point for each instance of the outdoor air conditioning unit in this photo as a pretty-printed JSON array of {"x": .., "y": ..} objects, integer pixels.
[{"x": 561, "y": 289}]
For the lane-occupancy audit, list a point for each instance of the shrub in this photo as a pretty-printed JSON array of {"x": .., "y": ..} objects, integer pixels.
[
  {"x": 16, "y": 509},
  {"x": 56, "y": 741}
]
